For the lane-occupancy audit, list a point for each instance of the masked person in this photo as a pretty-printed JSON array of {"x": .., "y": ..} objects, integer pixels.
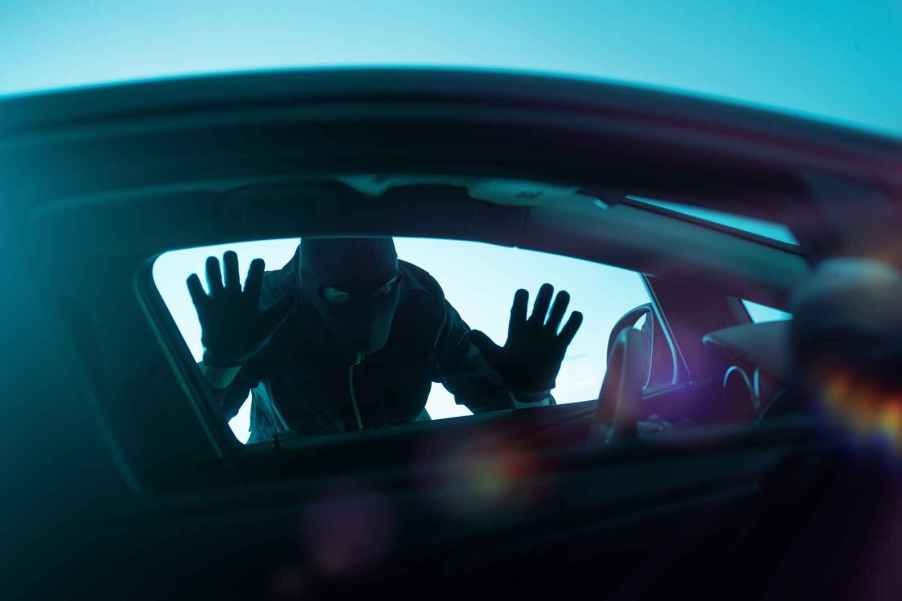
[{"x": 347, "y": 337}]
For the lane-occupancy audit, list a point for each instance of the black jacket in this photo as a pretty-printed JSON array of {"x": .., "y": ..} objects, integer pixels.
[{"x": 299, "y": 385}]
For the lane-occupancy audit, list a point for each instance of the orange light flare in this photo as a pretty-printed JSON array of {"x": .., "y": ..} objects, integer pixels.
[
  {"x": 483, "y": 475},
  {"x": 863, "y": 406}
]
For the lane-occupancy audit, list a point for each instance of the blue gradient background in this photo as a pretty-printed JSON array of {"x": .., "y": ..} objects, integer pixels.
[{"x": 839, "y": 60}]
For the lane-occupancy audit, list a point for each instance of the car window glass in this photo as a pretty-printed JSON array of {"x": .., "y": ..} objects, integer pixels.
[
  {"x": 759, "y": 313},
  {"x": 479, "y": 281}
]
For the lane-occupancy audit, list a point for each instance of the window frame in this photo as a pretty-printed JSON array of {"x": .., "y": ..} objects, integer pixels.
[
  {"x": 795, "y": 249},
  {"x": 189, "y": 376}
]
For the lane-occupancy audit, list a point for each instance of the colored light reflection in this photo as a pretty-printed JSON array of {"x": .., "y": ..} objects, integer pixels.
[
  {"x": 864, "y": 406},
  {"x": 349, "y": 531},
  {"x": 482, "y": 476}
]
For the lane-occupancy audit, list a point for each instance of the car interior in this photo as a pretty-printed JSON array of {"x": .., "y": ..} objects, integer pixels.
[
  {"x": 698, "y": 463},
  {"x": 668, "y": 395}
]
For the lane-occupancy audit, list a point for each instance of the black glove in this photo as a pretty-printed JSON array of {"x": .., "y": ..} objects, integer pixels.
[
  {"x": 530, "y": 359},
  {"x": 233, "y": 329}
]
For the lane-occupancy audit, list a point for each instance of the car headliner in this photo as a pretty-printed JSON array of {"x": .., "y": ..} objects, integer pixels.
[
  {"x": 84, "y": 149},
  {"x": 651, "y": 121}
]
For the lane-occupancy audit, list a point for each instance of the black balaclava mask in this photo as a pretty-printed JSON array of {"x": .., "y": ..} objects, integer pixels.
[{"x": 354, "y": 284}]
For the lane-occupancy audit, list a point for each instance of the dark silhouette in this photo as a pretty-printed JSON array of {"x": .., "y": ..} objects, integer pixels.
[{"x": 346, "y": 336}]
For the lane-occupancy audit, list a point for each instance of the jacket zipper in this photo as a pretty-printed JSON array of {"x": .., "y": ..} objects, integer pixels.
[{"x": 353, "y": 392}]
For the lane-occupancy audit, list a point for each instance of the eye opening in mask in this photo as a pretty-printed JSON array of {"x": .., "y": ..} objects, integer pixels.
[{"x": 336, "y": 296}]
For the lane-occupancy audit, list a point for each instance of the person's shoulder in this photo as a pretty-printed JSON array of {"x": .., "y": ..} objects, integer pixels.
[
  {"x": 417, "y": 280},
  {"x": 422, "y": 308}
]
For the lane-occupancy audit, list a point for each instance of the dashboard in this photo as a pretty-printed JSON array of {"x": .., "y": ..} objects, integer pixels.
[{"x": 755, "y": 366}]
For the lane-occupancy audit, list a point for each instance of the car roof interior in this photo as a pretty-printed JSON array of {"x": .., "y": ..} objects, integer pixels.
[{"x": 578, "y": 225}]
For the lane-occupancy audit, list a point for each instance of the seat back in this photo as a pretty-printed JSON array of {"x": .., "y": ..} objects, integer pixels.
[{"x": 619, "y": 401}]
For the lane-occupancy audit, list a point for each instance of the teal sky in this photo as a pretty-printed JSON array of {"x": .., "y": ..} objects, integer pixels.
[{"x": 839, "y": 60}]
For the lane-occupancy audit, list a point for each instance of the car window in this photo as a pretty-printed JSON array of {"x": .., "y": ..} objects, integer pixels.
[
  {"x": 479, "y": 281},
  {"x": 759, "y": 313}
]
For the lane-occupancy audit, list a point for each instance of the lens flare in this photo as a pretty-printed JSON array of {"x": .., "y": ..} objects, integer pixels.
[
  {"x": 483, "y": 475},
  {"x": 863, "y": 406},
  {"x": 349, "y": 531}
]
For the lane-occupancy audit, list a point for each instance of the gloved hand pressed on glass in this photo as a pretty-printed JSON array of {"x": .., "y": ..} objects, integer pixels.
[
  {"x": 233, "y": 328},
  {"x": 531, "y": 358}
]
